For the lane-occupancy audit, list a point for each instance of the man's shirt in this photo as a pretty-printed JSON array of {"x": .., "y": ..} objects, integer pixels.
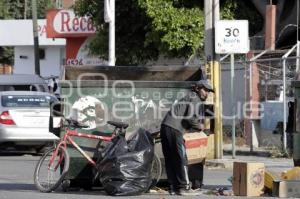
[{"x": 186, "y": 114}]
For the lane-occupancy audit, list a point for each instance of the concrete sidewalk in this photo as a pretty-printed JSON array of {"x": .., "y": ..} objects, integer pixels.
[{"x": 278, "y": 164}]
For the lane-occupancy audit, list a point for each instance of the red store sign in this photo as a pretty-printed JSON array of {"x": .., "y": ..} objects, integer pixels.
[
  {"x": 64, "y": 23},
  {"x": 77, "y": 31}
]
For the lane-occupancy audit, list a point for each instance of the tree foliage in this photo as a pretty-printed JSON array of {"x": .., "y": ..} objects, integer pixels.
[
  {"x": 234, "y": 9},
  {"x": 21, "y": 9},
  {"x": 132, "y": 25},
  {"x": 147, "y": 29},
  {"x": 176, "y": 30}
]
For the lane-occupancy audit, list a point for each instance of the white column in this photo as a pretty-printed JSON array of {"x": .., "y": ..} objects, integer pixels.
[{"x": 109, "y": 17}]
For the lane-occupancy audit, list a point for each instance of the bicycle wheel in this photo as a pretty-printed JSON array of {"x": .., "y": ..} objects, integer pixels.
[
  {"x": 49, "y": 175},
  {"x": 156, "y": 170}
]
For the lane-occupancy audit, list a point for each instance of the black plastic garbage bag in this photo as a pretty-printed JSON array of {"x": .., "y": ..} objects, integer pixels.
[{"x": 126, "y": 166}]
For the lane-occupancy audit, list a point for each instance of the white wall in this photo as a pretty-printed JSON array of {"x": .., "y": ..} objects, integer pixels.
[
  {"x": 20, "y": 33},
  {"x": 49, "y": 66}
]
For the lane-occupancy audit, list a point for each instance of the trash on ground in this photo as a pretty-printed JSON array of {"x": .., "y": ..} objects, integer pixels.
[
  {"x": 283, "y": 184},
  {"x": 286, "y": 189},
  {"x": 157, "y": 190},
  {"x": 224, "y": 191},
  {"x": 270, "y": 177},
  {"x": 230, "y": 179},
  {"x": 292, "y": 174}
]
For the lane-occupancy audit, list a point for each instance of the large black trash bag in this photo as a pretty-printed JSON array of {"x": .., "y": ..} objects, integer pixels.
[{"x": 126, "y": 166}]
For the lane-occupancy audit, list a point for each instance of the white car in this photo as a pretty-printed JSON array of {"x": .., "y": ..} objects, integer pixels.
[
  {"x": 24, "y": 119},
  {"x": 22, "y": 82}
]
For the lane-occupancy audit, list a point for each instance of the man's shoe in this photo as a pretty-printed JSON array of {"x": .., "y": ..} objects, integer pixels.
[
  {"x": 188, "y": 192},
  {"x": 172, "y": 191}
]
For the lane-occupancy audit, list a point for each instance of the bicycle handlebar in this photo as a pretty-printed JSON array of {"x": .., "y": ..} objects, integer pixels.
[
  {"x": 120, "y": 127},
  {"x": 74, "y": 123}
]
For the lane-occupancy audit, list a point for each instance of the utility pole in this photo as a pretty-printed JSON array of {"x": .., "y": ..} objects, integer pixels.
[
  {"x": 213, "y": 70},
  {"x": 298, "y": 44},
  {"x": 35, "y": 37},
  {"x": 109, "y": 17},
  {"x": 25, "y": 9}
]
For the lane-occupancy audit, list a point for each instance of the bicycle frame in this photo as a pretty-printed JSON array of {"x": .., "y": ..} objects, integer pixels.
[{"x": 68, "y": 139}]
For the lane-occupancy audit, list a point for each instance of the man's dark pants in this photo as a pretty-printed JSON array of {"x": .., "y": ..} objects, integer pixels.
[{"x": 175, "y": 157}]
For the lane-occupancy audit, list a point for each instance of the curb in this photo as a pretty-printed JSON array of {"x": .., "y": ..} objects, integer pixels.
[
  {"x": 219, "y": 163},
  {"x": 228, "y": 163},
  {"x": 249, "y": 153}
]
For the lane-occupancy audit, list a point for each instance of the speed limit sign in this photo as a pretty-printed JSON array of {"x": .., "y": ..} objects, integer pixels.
[{"x": 231, "y": 36}]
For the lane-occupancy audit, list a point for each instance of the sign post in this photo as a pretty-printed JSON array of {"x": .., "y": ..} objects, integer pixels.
[
  {"x": 232, "y": 36},
  {"x": 232, "y": 103}
]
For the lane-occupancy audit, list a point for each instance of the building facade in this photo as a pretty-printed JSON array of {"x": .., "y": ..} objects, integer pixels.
[{"x": 19, "y": 34}]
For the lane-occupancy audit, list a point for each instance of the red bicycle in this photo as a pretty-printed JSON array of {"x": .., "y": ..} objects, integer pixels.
[{"x": 54, "y": 164}]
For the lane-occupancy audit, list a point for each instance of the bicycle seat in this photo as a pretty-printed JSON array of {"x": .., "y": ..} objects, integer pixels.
[{"x": 120, "y": 125}]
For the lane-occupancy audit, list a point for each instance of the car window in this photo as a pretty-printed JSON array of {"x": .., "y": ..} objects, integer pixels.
[
  {"x": 29, "y": 87},
  {"x": 26, "y": 101}
]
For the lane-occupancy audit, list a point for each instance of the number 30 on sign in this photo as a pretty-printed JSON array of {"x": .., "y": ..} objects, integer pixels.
[{"x": 231, "y": 36}]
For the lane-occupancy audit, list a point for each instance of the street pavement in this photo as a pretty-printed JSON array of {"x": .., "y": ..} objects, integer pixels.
[{"x": 16, "y": 180}]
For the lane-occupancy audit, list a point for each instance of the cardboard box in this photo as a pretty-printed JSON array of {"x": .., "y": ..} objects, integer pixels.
[
  {"x": 286, "y": 189},
  {"x": 270, "y": 177},
  {"x": 248, "y": 178},
  {"x": 196, "y": 146}
]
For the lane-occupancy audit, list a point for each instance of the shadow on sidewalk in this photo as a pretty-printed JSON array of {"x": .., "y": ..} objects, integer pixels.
[{"x": 16, "y": 187}]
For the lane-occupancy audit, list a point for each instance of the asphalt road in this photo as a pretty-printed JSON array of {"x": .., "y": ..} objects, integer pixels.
[{"x": 16, "y": 181}]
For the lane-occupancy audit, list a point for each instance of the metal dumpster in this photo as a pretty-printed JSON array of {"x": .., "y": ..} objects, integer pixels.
[{"x": 139, "y": 96}]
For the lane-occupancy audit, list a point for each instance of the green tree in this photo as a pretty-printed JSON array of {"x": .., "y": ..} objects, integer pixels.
[
  {"x": 4, "y": 14},
  {"x": 21, "y": 9},
  {"x": 234, "y": 9},
  {"x": 146, "y": 29},
  {"x": 176, "y": 29},
  {"x": 132, "y": 25}
]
